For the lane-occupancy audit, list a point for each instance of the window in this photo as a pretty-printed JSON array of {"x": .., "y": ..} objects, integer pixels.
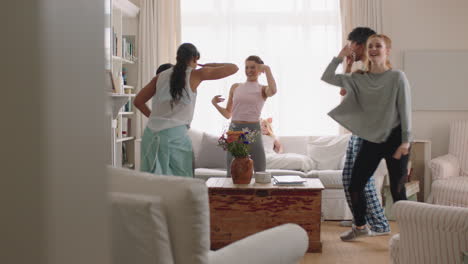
[{"x": 297, "y": 38}]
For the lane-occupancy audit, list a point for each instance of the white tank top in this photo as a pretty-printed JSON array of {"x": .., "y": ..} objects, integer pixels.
[{"x": 163, "y": 116}]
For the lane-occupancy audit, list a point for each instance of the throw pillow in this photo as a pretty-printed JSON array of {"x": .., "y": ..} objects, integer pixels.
[
  {"x": 328, "y": 151},
  {"x": 139, "y": 230},
  {"x": 289, "y": 161},
  {"x": 196, "y": 138},
  {"x": 294, "y": 144},
  {"x": 210, "y": 155}
]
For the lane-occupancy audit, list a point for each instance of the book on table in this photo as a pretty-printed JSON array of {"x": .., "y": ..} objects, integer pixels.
[{"x": 288, "y": 180}]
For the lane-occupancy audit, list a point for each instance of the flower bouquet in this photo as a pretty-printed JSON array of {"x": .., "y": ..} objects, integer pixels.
[{"x": 238, "y": 143}]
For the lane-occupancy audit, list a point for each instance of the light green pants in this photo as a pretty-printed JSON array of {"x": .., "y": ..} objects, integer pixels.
[{"x": 167, "y": 152}]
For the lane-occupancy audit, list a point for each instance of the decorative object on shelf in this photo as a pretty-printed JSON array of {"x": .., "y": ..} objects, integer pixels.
[
  {"x": 121, "y": 82},
  {"x": 124, "y": 75},
  {"x": 238, "y": 143},
  {"x": 111, "y": 80}
]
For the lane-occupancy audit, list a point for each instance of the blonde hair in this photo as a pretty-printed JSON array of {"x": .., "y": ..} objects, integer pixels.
[
  {"x": 388, "y": 45},
  {"x": 268, "y": 127}
]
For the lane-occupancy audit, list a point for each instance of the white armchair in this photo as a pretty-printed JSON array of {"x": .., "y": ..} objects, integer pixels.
[
  {"x": 165, "y": 219},
  {"x": 450, "y": 172},
  {"x": 429, "y": 234}
]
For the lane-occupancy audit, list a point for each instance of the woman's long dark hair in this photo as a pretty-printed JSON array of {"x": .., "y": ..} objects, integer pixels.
[{"x": 185, "y": 53}]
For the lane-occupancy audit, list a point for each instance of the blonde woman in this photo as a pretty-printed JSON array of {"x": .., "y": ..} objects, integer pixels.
[
  {"x": 377, "y": 109},
  {"x": 270, "y": 143}
]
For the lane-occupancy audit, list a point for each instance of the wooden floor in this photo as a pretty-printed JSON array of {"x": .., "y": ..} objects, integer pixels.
[{"x": 363, "y": 250}]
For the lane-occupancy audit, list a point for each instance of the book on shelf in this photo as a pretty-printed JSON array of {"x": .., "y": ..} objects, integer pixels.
[
  {"x": 110, "y": 82},
  {"x": 128, "y": 106},
  {"x": 288, "y": 180},
  {"x": 128, "y": 47},
  {"x": 114, "y": 42}
]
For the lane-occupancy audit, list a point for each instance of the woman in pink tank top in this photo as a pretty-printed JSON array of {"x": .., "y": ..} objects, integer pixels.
[{"x": 244, "y": 106}]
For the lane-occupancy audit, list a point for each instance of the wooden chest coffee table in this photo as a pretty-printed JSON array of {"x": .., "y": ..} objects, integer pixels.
[{"x": 240, "y": 210}]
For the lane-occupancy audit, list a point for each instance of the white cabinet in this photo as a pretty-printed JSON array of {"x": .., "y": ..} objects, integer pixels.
[{"x": 123, "y": 31}]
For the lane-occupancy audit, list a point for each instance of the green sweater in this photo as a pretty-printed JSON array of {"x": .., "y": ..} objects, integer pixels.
[{"x": 374, "y": 104}]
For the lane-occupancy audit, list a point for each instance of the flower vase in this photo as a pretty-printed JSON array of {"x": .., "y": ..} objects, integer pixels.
[{"x": 241, "y": 170}]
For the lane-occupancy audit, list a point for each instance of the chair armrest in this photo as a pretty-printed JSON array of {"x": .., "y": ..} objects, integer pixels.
[
  {"x": 444, "y": 167},
  {"x": 285, "y": 244},
  {"x": 394, "y": 244},
  {"x": 426, "y": 230}
]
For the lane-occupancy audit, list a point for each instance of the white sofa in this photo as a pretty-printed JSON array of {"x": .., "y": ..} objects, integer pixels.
[
  {"x": 165, "y": 219},
  {"x": 327, "y": 153},
  {"x": 429, "y": 234}
]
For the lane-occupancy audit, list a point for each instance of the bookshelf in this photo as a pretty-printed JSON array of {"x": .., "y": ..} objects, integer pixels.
[{"x": 124, "y": 70}]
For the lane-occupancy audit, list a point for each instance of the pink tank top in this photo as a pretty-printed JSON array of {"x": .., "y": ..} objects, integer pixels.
[{"x": 247, "y": 102}]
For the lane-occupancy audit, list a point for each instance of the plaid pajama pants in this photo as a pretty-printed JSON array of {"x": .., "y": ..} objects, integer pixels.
[{"x": 375, "y": 214}]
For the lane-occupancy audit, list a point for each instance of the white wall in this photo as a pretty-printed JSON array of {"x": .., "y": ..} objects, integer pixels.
[
  {"x": 428, "y": 25},
  {"x": 53, "y": 198}
]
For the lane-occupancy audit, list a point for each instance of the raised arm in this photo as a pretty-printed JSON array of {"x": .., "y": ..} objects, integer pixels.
[
  {"x": 211, "y": 71},
  {"x": 144, "y": 95},
  {"x": 349, "y": 65},
  {"x": 329, "y": 76},
  {"x": 215, "y": 71},
  {"x": 225, "y": 111},
  {"x": 270, "y": 89}
]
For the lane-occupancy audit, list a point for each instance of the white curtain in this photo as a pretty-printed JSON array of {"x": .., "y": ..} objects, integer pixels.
[
  {"x": 297, "y": 38},
  {"x": 361, "y": 13},
  {"x": 158, "y": 39}
]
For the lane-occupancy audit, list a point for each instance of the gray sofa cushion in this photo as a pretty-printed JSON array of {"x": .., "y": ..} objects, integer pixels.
[
  {"x": 328, "y": 151},
  {"x": 210, "y": 155}
]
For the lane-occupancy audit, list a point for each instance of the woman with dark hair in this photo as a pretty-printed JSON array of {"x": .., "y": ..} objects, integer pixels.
[
  {"x": 166, "y": 148},
  {"x": 245, "y": 105}
]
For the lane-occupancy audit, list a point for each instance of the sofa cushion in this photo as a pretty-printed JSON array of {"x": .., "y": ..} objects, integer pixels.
[
  {"x": 294, "y": 144},
  {"x": 328, "y": 151},
  {"x": 331, "y": 179},
  {"x": 206, "y": 173},
  {"x": 210, "y": 155},
  {"x": 196, "y": 138},
  {"x": 289, "y": 161},
  {"x": 312, "y": 174},
  {"x": 139, "y": 230}
]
